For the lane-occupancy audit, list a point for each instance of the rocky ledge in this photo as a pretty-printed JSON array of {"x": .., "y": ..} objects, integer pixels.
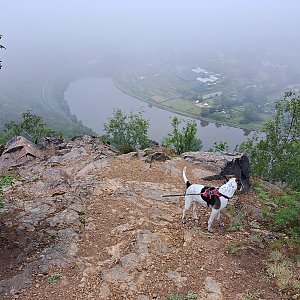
[{"x": 97, "y": 219}]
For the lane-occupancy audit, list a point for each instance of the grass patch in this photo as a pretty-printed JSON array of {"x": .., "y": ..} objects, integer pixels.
[
  {"x": 6, "y": 179},
  {"x": 254, "y": 225},
  {"x": 234, "y": 250},
  {"x": 256, "y": 238},
  {"x": 284, "y": 272},
  {"x": 82, "y": 217},
  {"x": 175, "y": 296},
  {"x": 196, "y": 228},
  {"x": 236, "y": 222},
  {"x": 253, "y": 296},
  {"x": 178, "y": 296},
  {"x": 54, "y": 278}
]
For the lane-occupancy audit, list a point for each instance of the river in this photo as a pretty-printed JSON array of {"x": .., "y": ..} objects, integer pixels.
[{"x": 93, "y": 100}]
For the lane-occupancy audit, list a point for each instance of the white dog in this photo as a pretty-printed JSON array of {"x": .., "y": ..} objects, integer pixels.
[{"x": 217, "y": 198}]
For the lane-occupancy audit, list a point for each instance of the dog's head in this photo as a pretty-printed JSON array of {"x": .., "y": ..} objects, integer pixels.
[{"x": 237, "y": 180}]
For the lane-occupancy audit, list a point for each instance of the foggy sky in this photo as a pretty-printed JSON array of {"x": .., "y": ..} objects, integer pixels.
[{"x": 49, "y": 34}]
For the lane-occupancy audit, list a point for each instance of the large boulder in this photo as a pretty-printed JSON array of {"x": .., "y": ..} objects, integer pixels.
[
  {"x": 18, "y": 151},
  {"x": 219, "y": 164}
]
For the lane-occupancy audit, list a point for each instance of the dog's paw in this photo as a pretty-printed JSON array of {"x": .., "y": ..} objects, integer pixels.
[
  {"x": 221, "y": 224},
  {"x": 196, "y": 221},
  {"x": 210, "y": 230},
  {"x": 183, "y": 221}
]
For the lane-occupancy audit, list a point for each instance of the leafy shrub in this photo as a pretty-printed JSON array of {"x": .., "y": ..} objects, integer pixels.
[
  {"x": 219, "y": 146},
  {"x": 31, "y": 127},
  {"x": 287, "y": 215},
  {"x": 6, "y": 180},
  {"x": 127, "y": 132},
  {"x": 183, "y": 140},
  {"x": 275, "y": 154},
  {"x": 282, "y": 211}
]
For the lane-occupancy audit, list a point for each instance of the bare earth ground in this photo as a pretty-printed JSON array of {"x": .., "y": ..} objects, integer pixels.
[{"x": 131, "y": 243}]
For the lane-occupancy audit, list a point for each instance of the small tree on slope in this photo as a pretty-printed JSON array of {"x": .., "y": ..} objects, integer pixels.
[
  {"x": 127, "y": 132},
  {"x": 183, "y": 140},
  {"x": 276, "y": 156}
]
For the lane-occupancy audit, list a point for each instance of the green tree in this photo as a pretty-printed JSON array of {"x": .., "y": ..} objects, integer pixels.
[
  {"x": 226, "y": 101},
  {"x": 205, "y": 112},
  {"x": 219, "y": 146},
  {"x": 127, "y": 132},
  {"x": 250, "y": 114},
  {"x": 1, "y": 47},
  {"x": 183, "y": 140},
  {"x": 32, "y": 127},
  {"x": 275, "y": 153}
]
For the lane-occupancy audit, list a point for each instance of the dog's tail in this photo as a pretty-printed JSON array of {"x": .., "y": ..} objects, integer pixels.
[{"x": 186, "y": 181}]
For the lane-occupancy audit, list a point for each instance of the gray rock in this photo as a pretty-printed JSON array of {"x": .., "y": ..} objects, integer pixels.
[
  {"x": 52, "y": 174},
  {"x": 20, "y": 281},
  {"x": 66, "y": 217},
  {"x": 34, "y": 213},
  {"x": 157, "y": 156},
  {"x": 177, "y": 278},
  {"x": 212, "y": 286},
  {"x": 221, "y": 164},
  {"x": 211, "y": 291},
  {"x": 18, "y": 151}
]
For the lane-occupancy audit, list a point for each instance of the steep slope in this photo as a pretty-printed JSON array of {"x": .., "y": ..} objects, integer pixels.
[{"x": 92, "y": 225}]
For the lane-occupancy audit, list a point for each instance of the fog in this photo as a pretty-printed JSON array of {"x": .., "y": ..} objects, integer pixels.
[
  {"x": 46, "y": 37},
  {"x": 52, "y": 34}
]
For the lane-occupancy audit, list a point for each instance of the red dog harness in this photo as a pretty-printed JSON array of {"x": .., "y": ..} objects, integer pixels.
[{"x": 209, "y": 195}]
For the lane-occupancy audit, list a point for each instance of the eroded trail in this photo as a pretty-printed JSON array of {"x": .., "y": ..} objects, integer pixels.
[{"x": 115, "y": 237}]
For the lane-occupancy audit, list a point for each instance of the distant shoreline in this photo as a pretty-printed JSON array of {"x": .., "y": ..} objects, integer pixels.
[{"x": 182, "y": 113}]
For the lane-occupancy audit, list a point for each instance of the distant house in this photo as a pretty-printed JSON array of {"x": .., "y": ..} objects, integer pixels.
[
  {"x": 211, "y": 78},
  {"x": 198, "y": 70}
]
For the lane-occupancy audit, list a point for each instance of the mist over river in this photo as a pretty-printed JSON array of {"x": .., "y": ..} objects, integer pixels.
[{"x": 93, "y": 100}]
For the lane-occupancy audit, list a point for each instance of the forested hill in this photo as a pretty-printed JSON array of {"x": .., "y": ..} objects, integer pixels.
[{"x": 43, "y": 94}]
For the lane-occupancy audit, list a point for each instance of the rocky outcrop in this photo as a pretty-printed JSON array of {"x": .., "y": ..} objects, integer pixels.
[
  {"x": 100, "y": 221},
  {"x": 47, "y": 205},
  {"x": 18, "y": 151},
  {"x": 215, "y": 166}
]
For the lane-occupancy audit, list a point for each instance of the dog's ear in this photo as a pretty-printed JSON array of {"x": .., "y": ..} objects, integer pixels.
[
  {"x": 225, "y": 178},
  {"x": 228, "y": 177}
]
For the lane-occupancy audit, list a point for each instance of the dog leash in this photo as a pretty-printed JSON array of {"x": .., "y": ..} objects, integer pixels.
[
  {"x": 178, "y": 195},
  {"x": 198, "y": 194}
]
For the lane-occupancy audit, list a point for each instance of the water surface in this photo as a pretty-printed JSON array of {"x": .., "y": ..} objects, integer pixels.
[{"x": 93, "y": 100}]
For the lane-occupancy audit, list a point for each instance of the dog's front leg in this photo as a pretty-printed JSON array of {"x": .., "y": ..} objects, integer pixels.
[
  {"x": 213, "y": 214},
  {"x": 221, "y": 224},
  {"x": 187, "y": 204},
  {"x": 195, "y": 210}
]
